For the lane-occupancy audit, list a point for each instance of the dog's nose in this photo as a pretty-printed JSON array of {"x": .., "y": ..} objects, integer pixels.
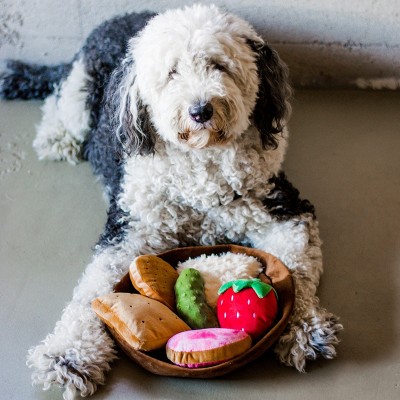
[{"x": 201, "y": 112}]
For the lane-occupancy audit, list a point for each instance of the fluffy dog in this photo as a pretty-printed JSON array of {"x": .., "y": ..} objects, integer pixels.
[{"x": 183, "y": 117}]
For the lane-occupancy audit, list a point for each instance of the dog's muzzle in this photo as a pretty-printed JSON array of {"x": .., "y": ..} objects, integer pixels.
[{"x": 206, "y": 124}]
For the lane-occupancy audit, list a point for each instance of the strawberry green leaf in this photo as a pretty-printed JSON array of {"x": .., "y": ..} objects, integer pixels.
[
  {"x": 225, "y": 287},
  {"x": 261, "y": 288},
  {"x": 241, "y": 284}
]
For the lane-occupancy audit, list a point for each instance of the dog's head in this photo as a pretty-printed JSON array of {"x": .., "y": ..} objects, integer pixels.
[{"x": 198, "y": 77}]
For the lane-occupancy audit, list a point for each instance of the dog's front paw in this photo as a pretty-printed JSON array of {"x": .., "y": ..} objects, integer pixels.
[
  {"x": 309, "y": 337},
  {"x": 77, "y": 366}
]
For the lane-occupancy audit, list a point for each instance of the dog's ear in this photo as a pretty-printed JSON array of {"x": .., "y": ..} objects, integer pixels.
[
  {"x": 134, "y": 130},
  {"x": 272, "y": 108}
]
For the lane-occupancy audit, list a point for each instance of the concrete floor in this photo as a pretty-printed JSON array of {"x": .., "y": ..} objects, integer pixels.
[{"x": 344, "y": 156}]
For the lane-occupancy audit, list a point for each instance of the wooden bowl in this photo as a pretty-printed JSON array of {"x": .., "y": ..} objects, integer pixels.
[{"x": 274, "y": 273}]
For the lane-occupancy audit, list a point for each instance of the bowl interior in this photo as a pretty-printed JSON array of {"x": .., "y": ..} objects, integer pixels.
[{"x": 274, "y": 272}]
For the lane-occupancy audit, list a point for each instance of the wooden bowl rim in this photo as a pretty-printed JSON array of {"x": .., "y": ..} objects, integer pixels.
[{"x": 275, "y": 271}]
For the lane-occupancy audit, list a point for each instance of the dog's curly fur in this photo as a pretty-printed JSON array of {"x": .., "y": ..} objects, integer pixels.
[{"x": 174, "y": 178}]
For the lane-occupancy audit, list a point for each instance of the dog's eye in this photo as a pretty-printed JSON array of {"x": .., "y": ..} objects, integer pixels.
[
  {"x": 219, "y": 67},
  {"x": 171, "y": 73}
]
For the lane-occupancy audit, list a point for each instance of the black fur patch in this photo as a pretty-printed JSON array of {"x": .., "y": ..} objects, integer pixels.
[
  {"x": 274, "y": 92},
  {"x": 103, "y": 53},
  {"x": 100, "y": 150},
  {"x": 30, "y": 81},
  {"x": 116, "y": 226},
  {"x": 283, "y": 202}
]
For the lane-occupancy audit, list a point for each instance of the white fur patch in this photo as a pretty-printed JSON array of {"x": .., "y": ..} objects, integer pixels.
[
  {"x": 65, "y": 121},
  {"x": 72, "y": 103},
  {"x": 219, "y": 269}
]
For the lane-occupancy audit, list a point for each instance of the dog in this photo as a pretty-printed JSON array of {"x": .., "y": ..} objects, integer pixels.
[{"x": 183, "y": 116}]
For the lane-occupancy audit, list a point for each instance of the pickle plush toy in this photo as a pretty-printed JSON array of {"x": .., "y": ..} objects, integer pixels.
[{"x": 191, "y": 302}]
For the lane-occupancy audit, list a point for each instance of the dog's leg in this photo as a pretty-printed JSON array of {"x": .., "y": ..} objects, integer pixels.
[
  {"x": 312, "y": 330},
  {"x": 65, "y": 121},
  {"x": 78, "y": 353}
]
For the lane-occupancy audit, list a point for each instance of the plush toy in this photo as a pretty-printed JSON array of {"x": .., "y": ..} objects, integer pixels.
[
  {"x": 217, "y": 269},
  {"x": 191, "y": 304},
  {"x": 247, "y": 304},
  {"x": 144, "y": 323},
  {"x": 206, "y": 347},
  {"x": 155, "y": 278}
]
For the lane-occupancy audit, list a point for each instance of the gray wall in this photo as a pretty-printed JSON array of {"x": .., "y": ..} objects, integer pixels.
[{"x": 327, "y": 43}]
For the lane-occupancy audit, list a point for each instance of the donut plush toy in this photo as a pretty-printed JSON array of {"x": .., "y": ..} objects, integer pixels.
[
  {"x": 206, "y": 347},
  {"x": 249, "y": 305}
]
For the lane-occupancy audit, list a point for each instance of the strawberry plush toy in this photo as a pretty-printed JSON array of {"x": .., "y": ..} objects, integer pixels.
[{"x": 249, "y": 305}]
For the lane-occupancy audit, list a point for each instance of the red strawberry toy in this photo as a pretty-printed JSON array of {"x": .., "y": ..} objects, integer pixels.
[{"x": 248, "y": 305}]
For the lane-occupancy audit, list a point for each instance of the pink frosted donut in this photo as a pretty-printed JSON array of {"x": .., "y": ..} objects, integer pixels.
[{"x": 206, "y": 347}]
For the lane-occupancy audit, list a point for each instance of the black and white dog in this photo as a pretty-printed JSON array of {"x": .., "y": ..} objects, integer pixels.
[{"x": 183, "y": 116}]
